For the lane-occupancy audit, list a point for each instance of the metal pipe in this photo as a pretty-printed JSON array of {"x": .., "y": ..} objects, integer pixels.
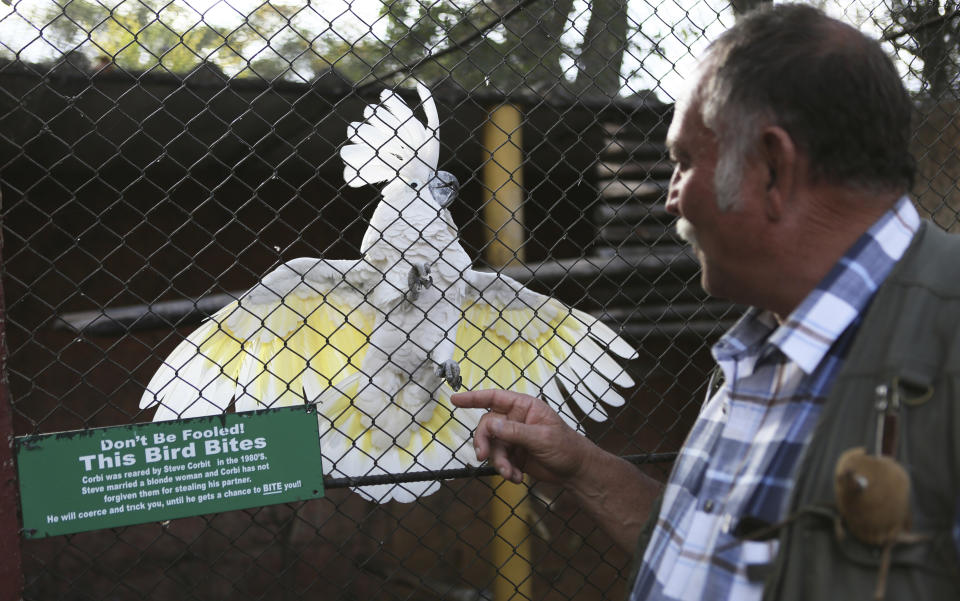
[
  {"x": 503, "y": 186},
  {"x": 503, "y": 215}
]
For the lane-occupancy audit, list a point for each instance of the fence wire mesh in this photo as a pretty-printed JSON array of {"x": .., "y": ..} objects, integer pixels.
[{"x": 158, "y": 158}]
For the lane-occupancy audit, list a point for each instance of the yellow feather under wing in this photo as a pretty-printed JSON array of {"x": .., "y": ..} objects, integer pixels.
[
  {"x": 199, "y": 377},
  {"x": 529, "y": 344},
  {"x": 489, "y": 352},
  {"x": 438, "y": 438},
  {"x": 269, "y": 354},
  {"x": 444, "y": 431},
  {"x": 270, "y": 376},
  {"x": 301, "y": 349}
]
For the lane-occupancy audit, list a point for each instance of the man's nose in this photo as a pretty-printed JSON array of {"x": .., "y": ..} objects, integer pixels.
[{"x": 672, "y": 204}]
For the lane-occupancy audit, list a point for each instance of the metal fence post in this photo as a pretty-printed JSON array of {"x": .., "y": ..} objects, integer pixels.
[
  {"x": 503, "y": 215},
  {"x": 11, "y": 574},
  {"x": 503, "y": 186}
]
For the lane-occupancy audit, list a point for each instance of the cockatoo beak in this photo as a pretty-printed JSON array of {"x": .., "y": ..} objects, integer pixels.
[{"x": 444, "y": 188}]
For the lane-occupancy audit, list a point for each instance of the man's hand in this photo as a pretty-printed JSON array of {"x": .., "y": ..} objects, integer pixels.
[{"x": 521, "y": 434}]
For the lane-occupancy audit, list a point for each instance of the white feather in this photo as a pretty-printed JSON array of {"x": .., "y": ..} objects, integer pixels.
[
  {"x": 604, "y": 334},
  {"x": 553, "y": 395},
  {"x": 586, "y": 403},
  {"x": 586, "y": 376},
  {"x": 600, "y": 362}
]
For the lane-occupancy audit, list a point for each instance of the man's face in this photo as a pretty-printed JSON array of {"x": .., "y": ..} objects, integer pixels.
[{"x": 725, "y": 241}]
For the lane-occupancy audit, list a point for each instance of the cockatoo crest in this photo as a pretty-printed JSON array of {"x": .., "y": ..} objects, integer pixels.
[{"x": 392, "y": 145}]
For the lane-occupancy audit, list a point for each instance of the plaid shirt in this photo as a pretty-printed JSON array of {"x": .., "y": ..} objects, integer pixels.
[{"x": 739, "y": 458}]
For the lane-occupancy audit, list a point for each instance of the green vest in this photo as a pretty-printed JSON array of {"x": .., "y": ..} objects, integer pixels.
[{"x": 910, "y": 341}]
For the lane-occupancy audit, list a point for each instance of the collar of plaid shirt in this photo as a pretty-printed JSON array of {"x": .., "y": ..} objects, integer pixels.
[{"x": 739, "y": 458}]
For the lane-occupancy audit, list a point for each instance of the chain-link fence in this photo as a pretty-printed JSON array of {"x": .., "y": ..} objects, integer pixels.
[{"x": 159, "y": 158}]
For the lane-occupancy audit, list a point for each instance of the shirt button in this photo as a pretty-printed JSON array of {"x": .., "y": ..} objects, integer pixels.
[
  {"x": 726, "y": 523},
  {"x": 708, "y": 506}
]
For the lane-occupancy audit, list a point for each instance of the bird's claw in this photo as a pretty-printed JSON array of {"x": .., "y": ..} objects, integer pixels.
[
  {"x": 418, "y": 279},
  {"x": 450, "y": 371}
]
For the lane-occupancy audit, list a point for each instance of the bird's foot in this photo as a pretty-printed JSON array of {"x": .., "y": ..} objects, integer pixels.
[
  {"x": 418, "y": 279},
  {"x": 450, "y": 371}
]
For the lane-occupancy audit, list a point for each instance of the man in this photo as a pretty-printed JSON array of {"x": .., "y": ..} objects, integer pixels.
[{"x": 791, "y": 167}]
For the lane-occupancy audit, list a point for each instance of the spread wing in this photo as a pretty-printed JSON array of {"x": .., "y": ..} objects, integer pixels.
[
  {"x": 303, "y": 327},
  {"x": 513, "y": 338}
]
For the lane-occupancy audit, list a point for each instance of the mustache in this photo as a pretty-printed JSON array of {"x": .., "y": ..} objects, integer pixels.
[{"x": 686, "y": 231}]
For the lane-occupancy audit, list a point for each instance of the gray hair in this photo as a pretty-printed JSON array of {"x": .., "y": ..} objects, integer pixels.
[{"x": 830, "y": 87}]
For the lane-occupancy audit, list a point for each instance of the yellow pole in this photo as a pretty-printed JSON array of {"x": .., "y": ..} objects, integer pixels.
[
  {"x": 510, "y": 550},
  {"x": 503, "y": 215},
  {"x": 503, "y": 186}
]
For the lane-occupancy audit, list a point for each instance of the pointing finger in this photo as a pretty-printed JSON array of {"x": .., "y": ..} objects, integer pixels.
[{"x": 501, "y": 401}]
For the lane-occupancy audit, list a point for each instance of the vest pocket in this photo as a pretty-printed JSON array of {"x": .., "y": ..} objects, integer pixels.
[{"x": 848, "y": 569}]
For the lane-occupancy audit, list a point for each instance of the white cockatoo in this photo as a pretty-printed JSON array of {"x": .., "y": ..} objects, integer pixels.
[{"x": 379, "y": 343}]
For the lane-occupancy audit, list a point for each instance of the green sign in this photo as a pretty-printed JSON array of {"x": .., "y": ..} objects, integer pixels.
[{"x": 106, "y": 477}]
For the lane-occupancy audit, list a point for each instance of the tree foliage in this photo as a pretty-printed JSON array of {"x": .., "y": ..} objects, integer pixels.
[
  {"x": 928, "y": 30},
  {"x": 547, "y": 46},
  {"x": 139, "y": 36},
  {"x": 528, "y": 48}
]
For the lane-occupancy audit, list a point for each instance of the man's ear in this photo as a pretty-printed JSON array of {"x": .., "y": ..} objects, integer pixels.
[{"x": 779, "y": 155}]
